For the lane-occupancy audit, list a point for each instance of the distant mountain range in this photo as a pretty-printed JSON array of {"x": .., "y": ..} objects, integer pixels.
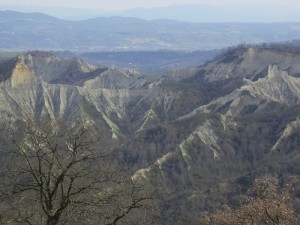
[
  {"x": 188, "y": 13},
  {"x": 27, "y": 31},
  {"x": 216, "y": 14}
]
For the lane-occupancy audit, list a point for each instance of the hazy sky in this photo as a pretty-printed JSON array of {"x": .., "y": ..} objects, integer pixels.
[{"x": 126, "y": 4}]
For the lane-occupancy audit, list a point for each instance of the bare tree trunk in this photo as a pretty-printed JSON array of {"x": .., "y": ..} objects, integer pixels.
[
  {"x": 57, "y": 165},
  {"x": 53, "y": 220}
]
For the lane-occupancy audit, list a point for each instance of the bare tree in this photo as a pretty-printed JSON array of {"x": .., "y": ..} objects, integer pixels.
[
  {"x": 57, "y": 174},
  {"x": 268, "y": 205}
]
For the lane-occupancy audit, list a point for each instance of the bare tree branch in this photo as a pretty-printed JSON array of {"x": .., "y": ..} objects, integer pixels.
[{"x": 61, "y": 175}]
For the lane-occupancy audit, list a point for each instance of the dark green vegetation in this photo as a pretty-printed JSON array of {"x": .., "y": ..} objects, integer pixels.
[
  {"x": 19, "y": 31},
  {"x": 200, "y": 136}
]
